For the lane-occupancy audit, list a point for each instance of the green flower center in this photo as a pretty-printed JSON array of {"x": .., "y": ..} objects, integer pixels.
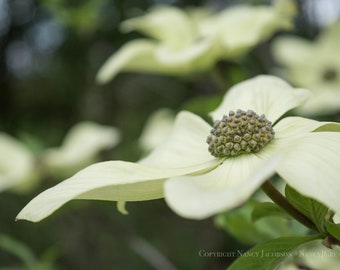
[{"x": 239, "y": 133}]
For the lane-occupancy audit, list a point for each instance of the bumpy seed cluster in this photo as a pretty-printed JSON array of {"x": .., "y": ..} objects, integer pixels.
[{"x": 238, "y": 133}]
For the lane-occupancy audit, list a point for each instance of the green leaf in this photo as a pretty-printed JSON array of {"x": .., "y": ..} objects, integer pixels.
[
  {"x": 18, "y": 249},
  {"x": 333, "y": 229},
  {"x": 238, "y": 223},
  {"x": 26, "y": 255},
  {"x": 311, "y": 208},
  {"x": 266, "y": 209},
  {"x": 268, "y": 255},
  {"x": 334, "y": 127}
]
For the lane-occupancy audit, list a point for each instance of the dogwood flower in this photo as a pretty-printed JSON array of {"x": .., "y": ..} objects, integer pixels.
[
  {"x": 157, "y": 129},
  {"x": 246, "y": 146},
  {"x": 17, "y": 164},
  {"x": 80, "y": 148},
  {"x": 186, "y": 41},
  {"x": 314, "y": 65},
  {"x": 20, "y": 169}
]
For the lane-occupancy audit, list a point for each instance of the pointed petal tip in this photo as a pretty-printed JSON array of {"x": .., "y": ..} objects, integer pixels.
[
  {"x": 103, "y": 76},
  {"x": 21, "y": 216}
]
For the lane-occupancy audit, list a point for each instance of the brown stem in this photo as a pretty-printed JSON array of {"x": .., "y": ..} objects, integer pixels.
[{"x": 281, "y": 201}]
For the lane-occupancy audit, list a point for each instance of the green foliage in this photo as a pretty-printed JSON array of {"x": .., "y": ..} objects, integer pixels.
[
  {"x": 266, "y": 209},
  {"x": 311, "y": 208},
  {"x": 26, "y": 256},
  {"x": 84, "y": 17},
  {"x": 268, "y": 255},
  {"x": 333, "y": 229},
  {"x": 241, "y": 224}
]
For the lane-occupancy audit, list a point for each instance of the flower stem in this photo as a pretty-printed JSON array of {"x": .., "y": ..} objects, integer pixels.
[{"x": 281, "y": 201}]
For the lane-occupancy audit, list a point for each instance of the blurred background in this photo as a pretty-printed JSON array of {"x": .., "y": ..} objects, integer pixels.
[{"x": 50, "y": 52}]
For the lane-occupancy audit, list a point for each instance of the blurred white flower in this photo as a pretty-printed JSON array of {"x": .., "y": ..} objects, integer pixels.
[
  {"x": 314, "y": 65},
  {"x": 17, "y": 164},
  {"x": 20, "y": 169},
  {"x": 192, "y": 40},
  {"x": 157, "y": 129},
  {"x": 80, "y": 148}
]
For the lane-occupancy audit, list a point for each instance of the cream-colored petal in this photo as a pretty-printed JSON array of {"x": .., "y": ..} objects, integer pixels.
[
  {"x": 150, "y": 57},
  {"x": 286, "y": 7},
  {"x": 185, "y": 146},
  {"x": 312, "y": 167},
  {"x": 313, "y": 65},
  {"x": 197, "y": 14},
  {"x": 324, "y": 101},
  {"x": 80, "y": 147},
  {"x": 292, "y": 51},
  {"x": 329, "y": 39},
  {"x": 290, "y": 130},
  {"x": 264, "y": 94},
  {"x": 113, "y": 180},
  {"x": 254, "y": 24},
  {"x": 241, "y": 27},
  {"x": 225, "y": 187},
  {"x": 168, "y": 24},
  {"x": 17, "y": 163},
  {"x": 187, "y": 55},
  {"x": 157, "y": 129},
  {"x": 136, "y": 55},
  {"x": 293, "y": 127}
]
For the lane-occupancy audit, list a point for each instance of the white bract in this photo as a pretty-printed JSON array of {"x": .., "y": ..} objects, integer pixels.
[
  {"x": 20, "y": 169},
  {"x": 196, "y": 184},
  {"x": 187, "y": 41},
  {"x": 80, "y": 148},
  {"x": 157, "y": 129},
  {"x": 17, "y": 164},
  {"x": 313, "y": 65}
]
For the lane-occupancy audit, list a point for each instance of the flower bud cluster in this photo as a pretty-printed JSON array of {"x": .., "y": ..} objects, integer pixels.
[{"x": 238, "y": 133}]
